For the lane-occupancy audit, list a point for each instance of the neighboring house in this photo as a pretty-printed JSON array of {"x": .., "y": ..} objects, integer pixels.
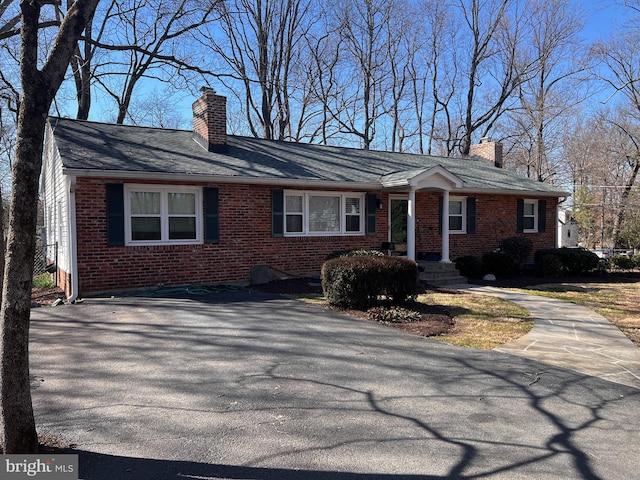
[
  {"x": 568, "y": 229},
  {"x": 134, "y": 207}
]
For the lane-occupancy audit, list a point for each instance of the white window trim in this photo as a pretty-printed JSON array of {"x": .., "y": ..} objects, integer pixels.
[
  {"x": 343, "y": 213},
  {"x": 164, "y": 190},
  {"x": 535, "y": 216},
  {"x": 463, "y": 201}
]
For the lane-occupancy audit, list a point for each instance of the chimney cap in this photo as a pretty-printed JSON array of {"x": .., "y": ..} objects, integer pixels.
[
  {"x": 485, "y": 140},
  {"x": 207, "y": 89}
]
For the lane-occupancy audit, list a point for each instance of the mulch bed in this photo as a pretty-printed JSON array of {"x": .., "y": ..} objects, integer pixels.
[
  {"x": 44, "y": 297},
  {"x": 435, "y": 319}
]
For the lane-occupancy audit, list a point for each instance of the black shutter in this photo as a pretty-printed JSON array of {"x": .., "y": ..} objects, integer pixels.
[
  {"x": 371, "y": 201},
  {"x": 211, "y": 215},
  {"x": 471, "y": 215},
  {"x": 542, "y": 216},
  {"x": 115, "y": 214},
  {"x": 520, "y": 216},
  {"x": 277, "y": 213}
]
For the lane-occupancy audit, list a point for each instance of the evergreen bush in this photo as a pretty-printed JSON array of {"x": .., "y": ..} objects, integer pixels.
[
  {"x": 358, "y": 281},
  {"x": 519, "y": 248},
  {"x": 358, "y": 252},
  {"x": 501, "y": 264},
  {"x": 470, "y": 266},
  {"x": 622, "y": 262},
  {"x": 575, "y": 261}
]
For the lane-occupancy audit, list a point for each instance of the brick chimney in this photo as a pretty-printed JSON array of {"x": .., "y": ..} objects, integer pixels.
[
  {"x": 210, "y": 121},
  {"x": 492, "y": 151}
]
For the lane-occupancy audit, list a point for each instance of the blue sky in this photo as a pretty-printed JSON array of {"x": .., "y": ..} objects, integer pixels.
[{"x": 602, "y": 16}]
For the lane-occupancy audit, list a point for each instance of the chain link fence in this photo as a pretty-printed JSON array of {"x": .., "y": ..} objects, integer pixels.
[{"x": 46, "y": 260}]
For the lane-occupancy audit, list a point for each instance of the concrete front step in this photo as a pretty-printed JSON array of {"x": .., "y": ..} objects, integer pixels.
[{"x": 440, "y": 274}]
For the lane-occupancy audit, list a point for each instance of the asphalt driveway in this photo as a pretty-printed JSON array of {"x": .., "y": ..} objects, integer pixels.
[{"x": 242, "y": 385}]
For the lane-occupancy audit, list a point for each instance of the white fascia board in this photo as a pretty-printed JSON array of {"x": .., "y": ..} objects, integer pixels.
[
  {"x": 525, "y": 193},
  {"x": 187, "y": 177}
]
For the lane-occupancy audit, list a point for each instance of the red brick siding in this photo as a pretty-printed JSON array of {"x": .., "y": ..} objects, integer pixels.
[{"x": 246, "y": 240}]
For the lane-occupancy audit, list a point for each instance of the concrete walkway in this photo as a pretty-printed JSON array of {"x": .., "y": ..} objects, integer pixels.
[{"x": 571, "y": 336}]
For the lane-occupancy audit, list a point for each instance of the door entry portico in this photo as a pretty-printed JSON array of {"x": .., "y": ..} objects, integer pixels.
[
  {"x": 402, "y": 209},
  {"x": 398, "y": 223}
]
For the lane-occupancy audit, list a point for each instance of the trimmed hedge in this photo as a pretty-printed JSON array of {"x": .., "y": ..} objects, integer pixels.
[
  {"x": 622, "y": 262},
  {"x": 358, "y": 281},
  {"x": 519, "y": 248},
  {"x": 574, "y": 261},
  {"x": 501, "y": 264},
  {"x": 549, "y": 266},
  {"x": 359, "y": 252},
  {"x": 470, "y": 266}
]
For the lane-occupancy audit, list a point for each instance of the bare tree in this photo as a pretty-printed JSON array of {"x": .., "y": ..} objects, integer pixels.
[
  {"x": 496, "y": 63},
  {"x": 622, "y": 75},
  {"x": 364, "y": 49},
  {"x": 549, "y": 96},
  {"x": 441, "y": 77},
  {"x": 39, "y": 84},
  {"x": 259, "y": 49},
  {"x": 144, "y": 44}
]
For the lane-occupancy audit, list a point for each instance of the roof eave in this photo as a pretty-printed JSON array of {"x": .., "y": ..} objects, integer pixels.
[
  {"x": 199, "y": 177},
  {"x": 531, "y": 193}
]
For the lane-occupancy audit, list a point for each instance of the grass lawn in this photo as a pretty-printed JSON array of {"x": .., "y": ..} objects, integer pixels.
[
  {"x": 617, "y": 302},
  {"x": 479, "y": 321}
]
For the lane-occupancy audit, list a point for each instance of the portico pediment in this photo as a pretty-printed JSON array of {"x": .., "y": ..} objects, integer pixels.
[{"x": 435, "y": 178}]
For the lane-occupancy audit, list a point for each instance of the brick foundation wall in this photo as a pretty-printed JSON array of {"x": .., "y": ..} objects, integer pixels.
[{"x": 246, "y": 240}]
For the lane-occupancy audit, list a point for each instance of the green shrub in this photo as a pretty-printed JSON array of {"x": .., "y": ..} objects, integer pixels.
[
  {"x": 358, "y": 252},
  {"x": 43, "y": 280},
  {"x": 549, "y": 265},
  {"x": 575, "y": 261},
  {"x": 358, "y": 281},
  {"x": 622, "y": 262},
  {"x": 501, "y": 264},
  {"x": 519, "y": 248},
  {"x": 470, "y": 266},
  {"x": 636, "y": 261},
  {"x": 386, "y": 314}
]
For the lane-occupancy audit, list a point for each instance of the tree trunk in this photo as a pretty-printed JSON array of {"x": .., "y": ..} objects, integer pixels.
[{"x": 17, "y": 424}]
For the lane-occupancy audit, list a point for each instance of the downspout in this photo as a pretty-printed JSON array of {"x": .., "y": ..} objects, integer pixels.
[
  {"x": 559, "y": 224},
  {"x": 73, "y": 240}
]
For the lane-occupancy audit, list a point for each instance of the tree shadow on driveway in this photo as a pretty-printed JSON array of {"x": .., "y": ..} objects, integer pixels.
[{"x": 271, "y": 388}]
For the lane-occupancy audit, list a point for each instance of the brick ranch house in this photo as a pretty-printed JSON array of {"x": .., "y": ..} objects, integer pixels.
[{"x": 135, "y": 207}]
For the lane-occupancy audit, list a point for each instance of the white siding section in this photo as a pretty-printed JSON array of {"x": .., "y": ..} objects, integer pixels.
[{"x": 55, "y": 195}]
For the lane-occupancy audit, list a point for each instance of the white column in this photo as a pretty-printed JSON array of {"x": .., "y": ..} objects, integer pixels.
[
  {"x": 445, "y": 227},
  {"x": 411, "y": 225}
]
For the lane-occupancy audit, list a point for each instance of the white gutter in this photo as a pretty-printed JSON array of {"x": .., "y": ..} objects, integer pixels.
[
  {"x": 289, "y": 182},
  {"x": 73, "y": 239},
  {"x": 199, "y": 177}
]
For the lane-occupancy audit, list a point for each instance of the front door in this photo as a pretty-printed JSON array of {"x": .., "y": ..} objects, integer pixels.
[{"x": 398, "y": 207}]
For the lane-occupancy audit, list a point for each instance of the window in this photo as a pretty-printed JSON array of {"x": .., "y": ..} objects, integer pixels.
[
  {"x": 530, "y": 216},
  {"x": 162, "y": 215},
  {"x": 457, "y": 215},
  {"x": 320, "y": 213}
]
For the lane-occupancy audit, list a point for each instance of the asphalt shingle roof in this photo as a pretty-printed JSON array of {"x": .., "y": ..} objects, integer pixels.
[{"x": 92, "y": 146}]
